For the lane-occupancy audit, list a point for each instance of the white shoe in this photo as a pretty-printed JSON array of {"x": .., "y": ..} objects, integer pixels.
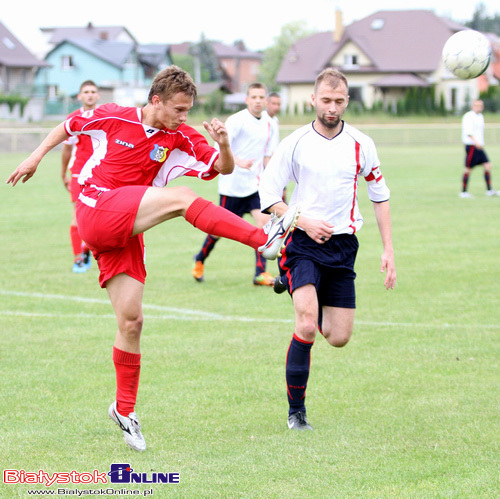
[
  {"x": 298, "y": 421},
  {"x": 492, "y": 192},
  {"x": 130, "y": 426},
  {"x": 466, "y": 195},
  {"x": 277, "y": 229}
]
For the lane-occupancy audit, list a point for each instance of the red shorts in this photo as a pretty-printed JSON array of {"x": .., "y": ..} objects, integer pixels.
[
  {"x": 74, "y": 188},
  {"x": 107, "y": 228}
]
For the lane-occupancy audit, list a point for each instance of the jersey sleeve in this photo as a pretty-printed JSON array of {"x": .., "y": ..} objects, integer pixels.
[
  {"x": 192, "y": 156},
  {"x": 276, "y": 176},
  {"x": 233, "y": 125},
  {"x": 71, "y": 141},
  {"x": 378, "y": 191}
]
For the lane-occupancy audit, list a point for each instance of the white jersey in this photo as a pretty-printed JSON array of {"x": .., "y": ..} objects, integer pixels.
[
  {"x": 326, "y": 173},
  {"x": 472, "y": 124},
  {"x": 274, "y": 118},
  {"x": 249, "y": 138}
]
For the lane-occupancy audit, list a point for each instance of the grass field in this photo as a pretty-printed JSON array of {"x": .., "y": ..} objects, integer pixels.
[{"x": 408, "y": 409}]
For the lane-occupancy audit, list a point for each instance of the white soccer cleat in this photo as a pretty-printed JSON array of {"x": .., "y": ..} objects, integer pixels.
[
  {"x": 277, "y": 229},
  {"x": 130, "y": 426},
  {"x": 492, "y": 192},
  {"x": 466, "y": 195},
  {"x": 298, "y": 421}
]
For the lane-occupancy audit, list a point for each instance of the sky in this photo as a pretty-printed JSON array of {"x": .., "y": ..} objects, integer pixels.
[{"x": 257, "y": 22}]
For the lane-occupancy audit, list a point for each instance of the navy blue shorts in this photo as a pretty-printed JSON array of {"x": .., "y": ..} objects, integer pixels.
[
  {"x": 240, "y": 206},
  {"x": 329, "y": 267},
  {"x": 475, "y": 156}
]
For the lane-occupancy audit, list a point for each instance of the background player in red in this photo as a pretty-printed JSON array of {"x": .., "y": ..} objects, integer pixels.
[
  {"x": 76, "y": 151},
  {"x": 136, "y": 152}
]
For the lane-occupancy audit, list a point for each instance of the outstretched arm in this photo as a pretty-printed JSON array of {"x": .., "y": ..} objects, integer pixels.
[
  {"x": 383, "y": 216},
  {"x": 225, "y": 161},
  {"x": 28, "y": 167}
]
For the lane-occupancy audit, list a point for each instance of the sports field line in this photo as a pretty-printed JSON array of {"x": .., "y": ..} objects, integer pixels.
[{"x": 173, "y": 313}]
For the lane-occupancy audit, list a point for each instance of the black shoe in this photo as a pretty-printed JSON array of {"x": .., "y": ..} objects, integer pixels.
[
  {"x": 278, "y": 285},
  {"x": 298, "y": 421},
  {"x": 87, "y": 259}
]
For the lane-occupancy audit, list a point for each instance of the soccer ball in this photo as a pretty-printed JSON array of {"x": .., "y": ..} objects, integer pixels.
[{"x": 467, "y": 54}]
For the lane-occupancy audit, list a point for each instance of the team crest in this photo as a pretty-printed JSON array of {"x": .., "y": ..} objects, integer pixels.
[{"x": 159, "y": 153}]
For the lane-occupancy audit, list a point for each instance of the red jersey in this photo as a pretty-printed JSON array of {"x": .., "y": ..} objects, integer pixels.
[
  {"x": 127, "y": 152},
  {"x": 82, "y": 148}
]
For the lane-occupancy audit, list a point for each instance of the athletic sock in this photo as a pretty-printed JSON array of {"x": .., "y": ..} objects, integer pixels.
[
  {"x": 298, "y": 361},
  {"x": 76, "y": 241},
  {"x": 487, "y": 179},
  {"x": 465, "y": 181},
  {"x": 128, "y": 368},
  {"x": 260, "y": 263},
  {"x": 206, "y": 249},
  {"x": 219, "y": 222}
]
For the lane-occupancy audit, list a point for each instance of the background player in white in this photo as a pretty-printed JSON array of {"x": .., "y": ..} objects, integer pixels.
[
  {"x": 325, "y": 160},
  {"x": 76, "y": 150},
  {"x": 253, "y": 137},
  {"x": 273, "y": 106},
  {"x": 473, "y": 139}
]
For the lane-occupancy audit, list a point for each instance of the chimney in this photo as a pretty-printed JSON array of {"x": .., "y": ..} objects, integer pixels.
[{"x": 339, "y": 26}]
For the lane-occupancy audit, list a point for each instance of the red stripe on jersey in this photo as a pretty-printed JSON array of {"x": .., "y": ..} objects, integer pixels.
[
  {"x": 355, "y": 187},
  {"x": 283, "y": 262},
  {"x": 375, "y": 174},
  {"x": 469, "y": 156}
]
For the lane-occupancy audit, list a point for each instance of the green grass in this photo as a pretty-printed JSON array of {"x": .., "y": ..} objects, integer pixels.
[{"x": 409, "y": 409}]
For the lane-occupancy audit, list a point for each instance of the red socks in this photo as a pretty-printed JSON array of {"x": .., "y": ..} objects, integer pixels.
[
  {"x": 219, "y": 222},
  {"x": 128, "y": 368},
  {"x": 76, "y": 241}
]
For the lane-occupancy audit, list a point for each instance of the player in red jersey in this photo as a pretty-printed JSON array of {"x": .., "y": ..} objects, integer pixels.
[
  {"x": 136, "y": 152},
  {"x": 76, "y": 151}
]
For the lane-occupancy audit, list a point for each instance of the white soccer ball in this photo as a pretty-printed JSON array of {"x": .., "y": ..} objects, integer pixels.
[{"x": 467, "y": 54}]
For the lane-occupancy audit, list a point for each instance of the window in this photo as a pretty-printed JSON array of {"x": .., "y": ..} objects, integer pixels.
[
  {"x": 8, "y": 43},
  {"x": 356, "y": 94},
  {"x": 67, "y": 62},
  {"x": 52, "y": 92},
  {"x": 377, "y": 24},
  {"x": 351, "y": 61}
]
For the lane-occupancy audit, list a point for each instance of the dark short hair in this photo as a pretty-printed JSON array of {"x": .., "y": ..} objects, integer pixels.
[
  {"x": 273, "y": 94},
  {"x": 170, "y": 81},
  {"x": 88, "y": 83}
]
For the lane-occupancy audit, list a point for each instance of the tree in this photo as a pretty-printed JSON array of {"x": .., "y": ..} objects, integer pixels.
[
  {"x": 205, "y": 61},
  {"x": 274, "y": 55},
  {"x": 482, "y": 22}
]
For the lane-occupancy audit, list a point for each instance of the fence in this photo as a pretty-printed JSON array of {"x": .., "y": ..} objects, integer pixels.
[{"x": 23, "y": 140}]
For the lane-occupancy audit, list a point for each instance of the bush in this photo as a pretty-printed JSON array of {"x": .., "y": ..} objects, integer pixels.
[{"x": 12, "y": 99}]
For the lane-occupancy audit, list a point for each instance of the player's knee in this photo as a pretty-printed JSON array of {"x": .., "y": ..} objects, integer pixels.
[
  {"x": 131, "y": 326},
  {"x": 306, "y": 329},
  {"x": 184, "y": 196},
  {"x": 337, "y": 339}
]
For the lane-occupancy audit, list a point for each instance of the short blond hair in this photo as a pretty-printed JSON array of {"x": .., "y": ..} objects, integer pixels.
[{"x": 333, "y": 77}]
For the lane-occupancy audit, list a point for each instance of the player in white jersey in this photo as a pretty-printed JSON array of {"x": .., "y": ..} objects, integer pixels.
[
  {"x": 473, "y": 139},
  {"x": 273, "y": 106},
  {"x": 253, "y": 137},
  {"x": 325, "y": 159}
]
